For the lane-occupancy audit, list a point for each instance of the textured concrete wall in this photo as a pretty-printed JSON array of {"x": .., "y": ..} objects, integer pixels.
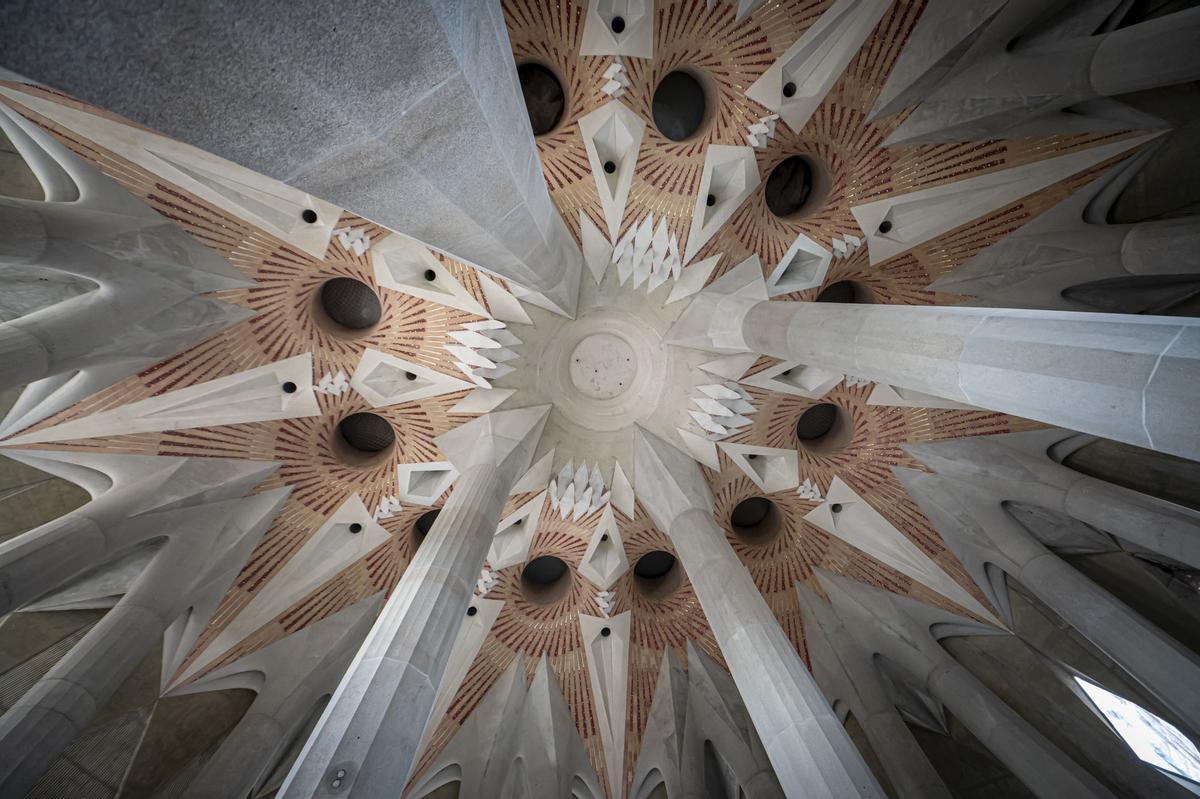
[{"x": 409, "y": 114}]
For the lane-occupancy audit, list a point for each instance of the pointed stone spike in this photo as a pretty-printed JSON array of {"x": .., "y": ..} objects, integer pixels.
[{"x": 863, "y": 527}]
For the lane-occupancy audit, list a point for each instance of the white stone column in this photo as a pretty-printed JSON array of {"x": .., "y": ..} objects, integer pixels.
[
  {"x": 899, "y": 629},
  {"x": 417, "y": 123},
  {"x": 853, "y": 677},
  {"x": 367, "y": 739},
  {"x": 1129, "y": 378},
  {"x": 208, "y": 542},
  {"x": 979, "y": 530},
  {"x": 807, "y": 745}
]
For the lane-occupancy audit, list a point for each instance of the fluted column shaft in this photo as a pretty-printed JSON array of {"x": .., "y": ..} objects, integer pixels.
[
  {"x": 242, "y": 761},
  {"x": 807, "y": 745},
  {"x": 906, "y": 764},
  {"x": 1013, "y": 741},
  {"x": 1167, "y": 670},
  {"x": 61, "y": 704},
  {"x": 1129, "y": 378},
  {"x": 40, "y": 560},
  {"x": 372, "y": 727}
]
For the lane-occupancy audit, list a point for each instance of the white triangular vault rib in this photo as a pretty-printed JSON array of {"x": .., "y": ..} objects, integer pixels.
[
  {"x": 730, "y": 176},
  {"x": 863, "y": 527},
  {"x": 771, "y": 469},
  {"x": 268, "y": 203},
  {"x": 332, "y": 548},
  {"x": 256, "y": 395},
  {"x": 606, "y": 646},
  {"x": 405, "y": 265},
  {"x": 612, "y": 135},
  {"x": 604, "y": 561},
  {"x": 803, "y": 266},
  {"x": 515, "y": 534},
  {"x": 896, "y": 224},
  {"x": 383, "y": 379},
  {"x": 423, "y": 483},
  {"x": 815, "y": 62},
  {"x": 789, "y": 377}
]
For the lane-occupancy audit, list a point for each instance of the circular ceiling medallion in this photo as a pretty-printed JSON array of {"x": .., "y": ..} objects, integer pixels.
[
  {"x": 679, "y": 105},
  {"x": 367, "y": 432},
  {"x": 602, "y": 366}
]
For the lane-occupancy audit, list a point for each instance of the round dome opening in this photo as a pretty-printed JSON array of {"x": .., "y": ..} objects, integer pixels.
[
  {"x": 679, "y": 105},
  {"x": 789, "y": 186},
  {"x": 422, "y": 526},
  {"x": 657, "y": 574},
  {"x": 544, "y": 97},
  {"x": 756, "y": 520},
  {"x": 545, "y": 580},
  {"x": 845, "y": 291},
  {"x": 824, "y": 428},
  {"x": 349, "y": 304},
  {"x": 367, "y": 432}
]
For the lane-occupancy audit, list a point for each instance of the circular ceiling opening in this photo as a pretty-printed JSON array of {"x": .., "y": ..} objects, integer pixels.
[
  {"x": 657, "y": 574},
  {"x": 368, "y": 433},
  {"x": 422, "y": 526},
  {"x": 824, "y": 428},
  {"x": 756, "y": 520},
  {"x": 845, "y": 291},
  {"x": 544, "y": 97},
  {"x": 679, "y": 105},
  {"x": 350, "y": 304},
  {"x": 545, "y": 580},
  {"x": 789, "y": 186}
]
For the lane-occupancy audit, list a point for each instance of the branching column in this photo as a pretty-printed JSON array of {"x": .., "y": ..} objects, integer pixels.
[
  {"x": 368, "y": 737},
  {"x": 1129, "y": 378},
  {"x": 807, "y": 745}
]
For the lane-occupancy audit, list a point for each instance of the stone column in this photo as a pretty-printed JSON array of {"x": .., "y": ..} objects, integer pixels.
[
  {"x": 899, "y": 630},
  {"x": 1129, "y": 378},
  {"x": 807, "y": 745},
  {"x": 290, "y": 677},
  {"x": 854, "y": 678},
  {"x": 214, "y": 541},
  {"x": 980, "y": 531},
  {"x": 368, "y": 737},
  {"x": 412, "y": 119}
]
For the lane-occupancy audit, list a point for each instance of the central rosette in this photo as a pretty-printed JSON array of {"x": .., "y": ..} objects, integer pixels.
[{"x": 605, "y": 372}]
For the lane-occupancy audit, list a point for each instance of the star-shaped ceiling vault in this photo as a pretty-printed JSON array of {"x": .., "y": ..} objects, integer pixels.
[{"x": 443, "y": 342}]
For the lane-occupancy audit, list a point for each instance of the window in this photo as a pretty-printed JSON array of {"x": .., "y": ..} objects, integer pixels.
[{"x": 1152, "y": 739}]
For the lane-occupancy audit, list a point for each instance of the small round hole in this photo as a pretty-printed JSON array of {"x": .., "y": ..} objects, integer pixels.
[
  {"x": 835, "y": 507},
  {"x": 824, "y": 428},
  {"x": 604, "y": 631},
  {"x": 885, "y": 226},
  {"x": 545, "y": 580},
  {"x": 656, "y": 574},
  {"x": 409, "y": 376},
  {"x": 617, "y": 24},
  {"x": 430, "y": 275},
  {"x": 422, "y": 526},
  {"x": 356, "y": 528},
  {"x": 367, "y": 432},
  {"x": 610, "y": 167},
  {"x": 789, "y": 89},
  {"x": 472, "y": 610},
  {"x": 789, "y": 186},
  {"x": 350, "y": 304},
  {"x": 845, "y": 291},
  {"x": 604, "y": 536},
  {"x": 289, "y": 387},
  {"x": 710, "y": 200},
  {"x": 309, "y": 216},
  {"x": 679, "y": 106},
  {"x": 544, "y": 97},
  {"x": 756, "y": 520},
  {"x": 752, "y": 456}
]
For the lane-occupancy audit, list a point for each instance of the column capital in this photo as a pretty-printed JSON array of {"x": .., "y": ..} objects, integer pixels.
[
  {"x": 500, "y": 439},
  {"x": 667, "y": 482}
]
